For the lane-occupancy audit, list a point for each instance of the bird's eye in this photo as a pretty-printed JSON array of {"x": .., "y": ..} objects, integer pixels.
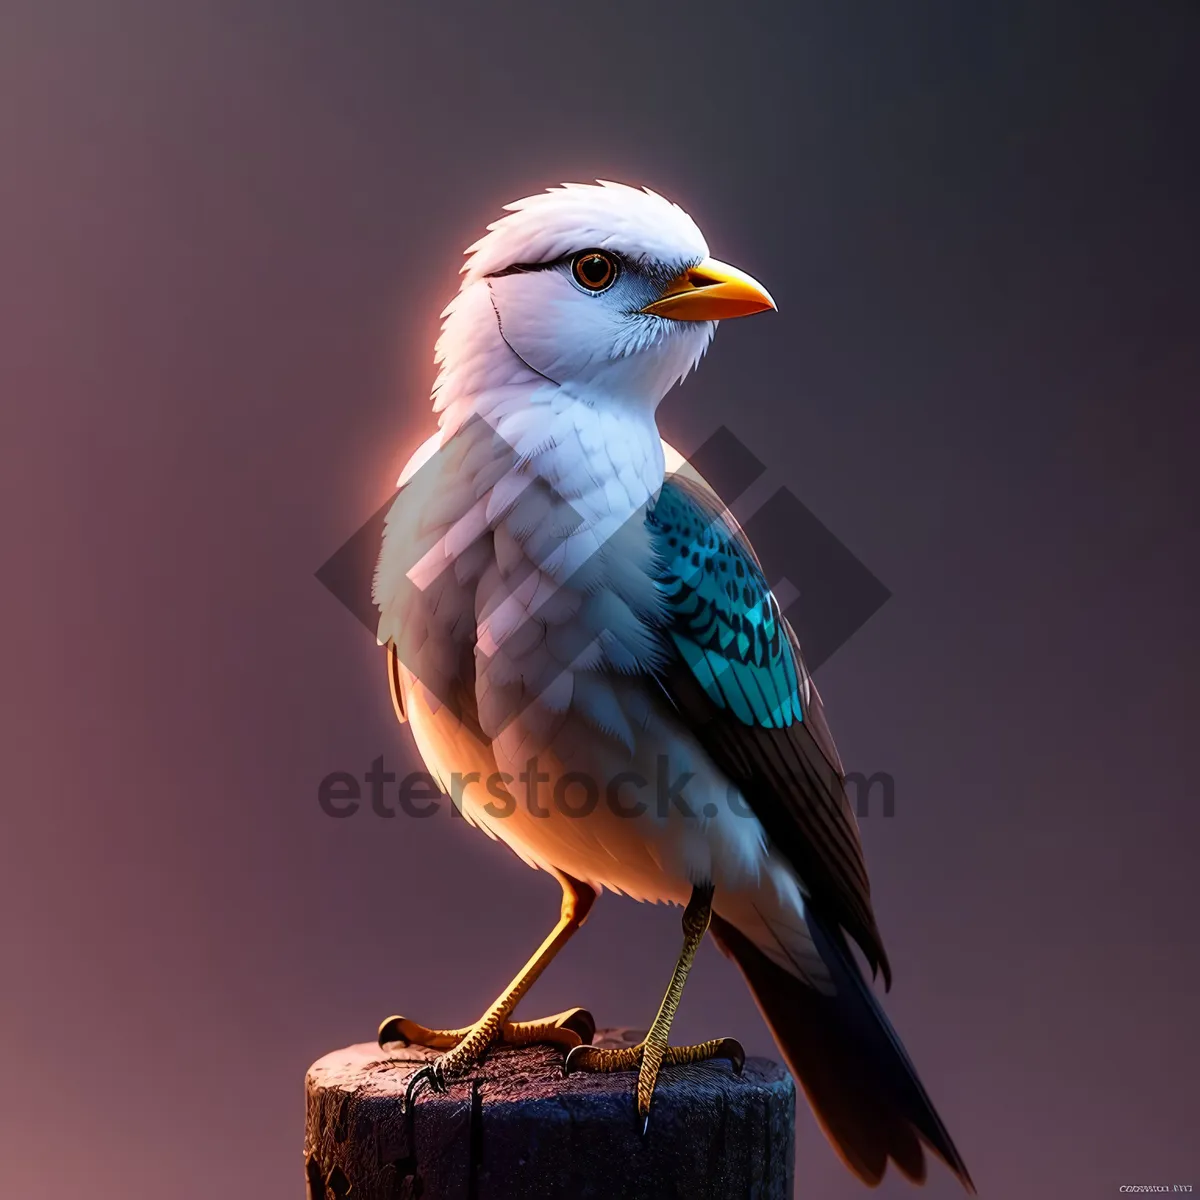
[{"x": 594, "y": 270}]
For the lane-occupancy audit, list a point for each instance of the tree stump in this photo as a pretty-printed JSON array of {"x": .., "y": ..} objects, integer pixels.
[{"x": 516, "y": 1127}]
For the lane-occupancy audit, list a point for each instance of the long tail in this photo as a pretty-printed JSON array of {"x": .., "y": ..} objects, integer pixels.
[{"x": 857, "y": 1077}]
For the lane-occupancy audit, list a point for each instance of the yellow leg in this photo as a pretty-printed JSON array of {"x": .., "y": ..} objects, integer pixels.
[
  {"x": 465, "y": 1048},
  {"x": 653, "y": 1053}
]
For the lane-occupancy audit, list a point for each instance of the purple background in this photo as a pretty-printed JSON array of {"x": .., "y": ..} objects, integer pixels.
[{"x": 226, "y": 232}]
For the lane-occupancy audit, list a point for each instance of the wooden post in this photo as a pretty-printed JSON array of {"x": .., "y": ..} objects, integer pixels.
[{"x": 517, "y": 1128}]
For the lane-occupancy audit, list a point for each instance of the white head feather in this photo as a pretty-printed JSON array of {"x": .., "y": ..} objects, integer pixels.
[
  {"x": 635, "y": 222},
  {"x": 521, "y": 319}
]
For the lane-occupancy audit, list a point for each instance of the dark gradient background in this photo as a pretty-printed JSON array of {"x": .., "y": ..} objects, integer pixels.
[{"x": 226, "y": 233}]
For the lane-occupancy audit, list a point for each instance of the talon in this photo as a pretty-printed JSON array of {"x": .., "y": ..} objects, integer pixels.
[
  {"x": 590, "y": 1058},
  {"x": 574, "y": 1059},
  {"x": 427, "y": 1074}
]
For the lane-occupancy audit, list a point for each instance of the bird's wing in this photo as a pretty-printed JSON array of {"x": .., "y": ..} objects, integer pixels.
[
  {"x": 736, "y": 676},
  {"x": 436, "y": 543}
]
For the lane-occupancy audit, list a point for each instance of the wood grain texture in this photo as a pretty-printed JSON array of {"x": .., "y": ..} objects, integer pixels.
[{"x": 515, "y": 1128}]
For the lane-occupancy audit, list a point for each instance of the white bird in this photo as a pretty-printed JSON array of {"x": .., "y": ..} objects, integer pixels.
[{"x": 594, "y": 668}]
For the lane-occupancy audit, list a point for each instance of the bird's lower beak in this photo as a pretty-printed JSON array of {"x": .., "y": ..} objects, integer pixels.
[{"x": 711, "y": 291}]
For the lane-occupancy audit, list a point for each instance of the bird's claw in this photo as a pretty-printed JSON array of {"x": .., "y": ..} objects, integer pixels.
[
  {"x": 431, "y": 1076},
  {"x": 634, "y": 1058},
  {"x": 566, "y": 1029},
  {"x": 594, "y": 1058},
  {"x": 574, "y": 1053}
]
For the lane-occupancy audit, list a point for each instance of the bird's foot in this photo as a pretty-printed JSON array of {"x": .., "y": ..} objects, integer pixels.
[
  {"x": 647, "y": 1058},
  {"x": 569, "y": 1029},
  {"x": 465, "y": 1048}
]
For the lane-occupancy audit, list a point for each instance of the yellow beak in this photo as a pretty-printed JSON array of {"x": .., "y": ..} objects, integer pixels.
[{"x": 711, "y": 291}]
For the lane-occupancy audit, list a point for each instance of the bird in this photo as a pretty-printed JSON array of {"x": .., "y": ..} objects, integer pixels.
[{"x": 595, "y": 669}]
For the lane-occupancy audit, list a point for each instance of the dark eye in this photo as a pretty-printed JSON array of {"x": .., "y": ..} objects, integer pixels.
[{"x": 594, "y": 270}]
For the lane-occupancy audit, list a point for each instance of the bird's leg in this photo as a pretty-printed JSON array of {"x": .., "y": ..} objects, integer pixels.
[
  {"x": 653, "y": 1052},
  {"x": 464, "y": 1048}
]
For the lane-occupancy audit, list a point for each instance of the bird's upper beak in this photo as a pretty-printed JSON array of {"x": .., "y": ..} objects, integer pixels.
[{"x": 711, "y": 291}]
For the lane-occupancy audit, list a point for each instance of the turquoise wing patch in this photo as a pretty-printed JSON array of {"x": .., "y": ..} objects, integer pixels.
[{"x": 723, "y": 619}]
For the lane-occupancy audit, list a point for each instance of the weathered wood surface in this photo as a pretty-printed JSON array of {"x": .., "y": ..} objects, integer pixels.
[{"x": 516, "y": 1128}]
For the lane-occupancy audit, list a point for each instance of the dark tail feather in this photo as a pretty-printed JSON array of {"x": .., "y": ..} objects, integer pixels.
[{"x": 854, "y": 1071}]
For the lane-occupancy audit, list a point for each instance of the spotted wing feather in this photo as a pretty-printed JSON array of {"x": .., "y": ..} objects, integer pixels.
[{"x": 736, "y": 675}]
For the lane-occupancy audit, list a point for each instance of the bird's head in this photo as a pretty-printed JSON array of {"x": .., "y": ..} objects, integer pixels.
[{"x": 605, "y": 290}]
